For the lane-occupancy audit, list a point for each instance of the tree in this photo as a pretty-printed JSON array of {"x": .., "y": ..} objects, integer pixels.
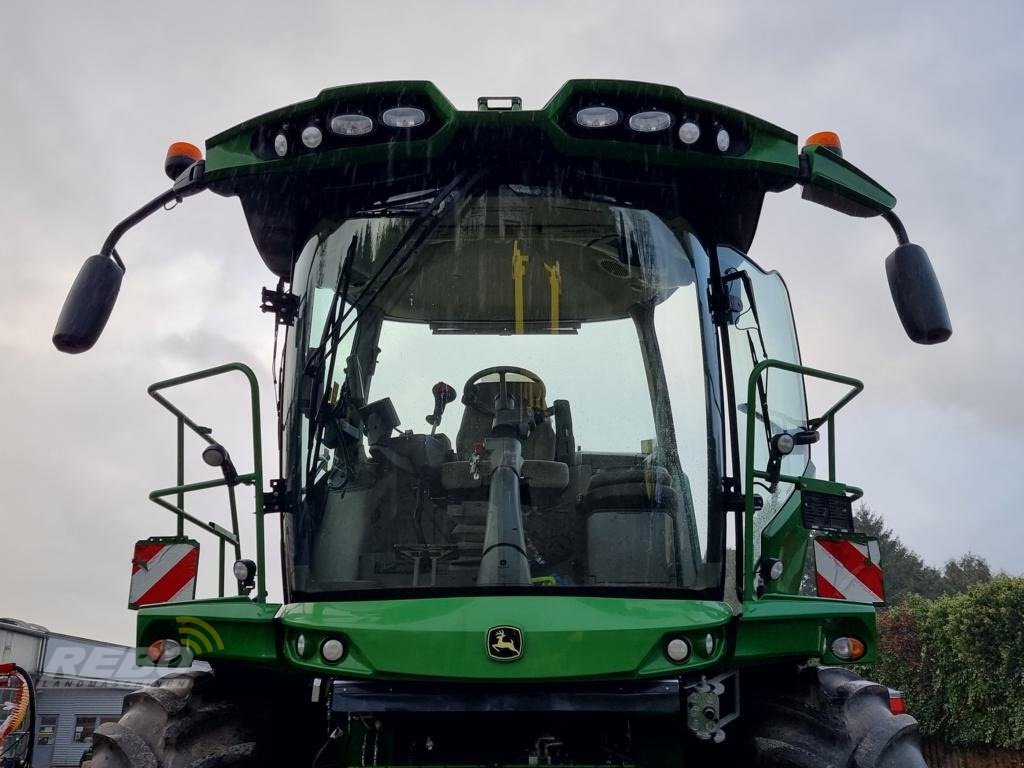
[
  {"x": 957, "y": 660},
  {"x": 960, "y": 575}
]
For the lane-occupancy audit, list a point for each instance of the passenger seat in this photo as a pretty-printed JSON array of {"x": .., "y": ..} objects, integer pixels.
[{"x": 631, "y": 531}]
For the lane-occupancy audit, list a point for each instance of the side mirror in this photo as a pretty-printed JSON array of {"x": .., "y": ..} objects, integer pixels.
[
  {"x": 917, "y": 295},
  {"x": 88, "y": 304}
]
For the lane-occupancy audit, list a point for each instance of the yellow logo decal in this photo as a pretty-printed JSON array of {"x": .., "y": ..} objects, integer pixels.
[{"x": 198, "y": 635}]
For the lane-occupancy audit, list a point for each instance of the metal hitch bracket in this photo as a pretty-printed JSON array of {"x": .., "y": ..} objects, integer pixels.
[{"x": 711, "y": 705}]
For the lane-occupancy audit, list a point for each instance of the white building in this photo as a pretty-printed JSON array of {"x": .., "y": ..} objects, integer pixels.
[{"x": 79, "y": 683}]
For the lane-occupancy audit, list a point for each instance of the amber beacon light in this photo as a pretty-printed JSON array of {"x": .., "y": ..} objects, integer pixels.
[
  {"x": 827, "y": 139},
  {"x": 180, "y": 155}
]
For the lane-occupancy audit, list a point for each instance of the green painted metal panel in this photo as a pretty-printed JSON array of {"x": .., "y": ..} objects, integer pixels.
[
  {"x": 803, "y": 627},
  {"x": 773, "y": 150},
  {"x": 564, "y": 637},
  {"x": 785, "y": 539},
  {"x": 764, "y": 158},
  {"x": 219, "y": 629},
  {"x": 832, "y": 174}
]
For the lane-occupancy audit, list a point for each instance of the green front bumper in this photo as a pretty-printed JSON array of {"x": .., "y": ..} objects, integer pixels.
[{"x": 563, "y": 637}]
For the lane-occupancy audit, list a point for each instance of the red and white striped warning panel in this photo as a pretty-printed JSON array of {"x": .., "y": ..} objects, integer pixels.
[
  {"x": 848, "y": 570},
  {"x": 163, "y": 571}
]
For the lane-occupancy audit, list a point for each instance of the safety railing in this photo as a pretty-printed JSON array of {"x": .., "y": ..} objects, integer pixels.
[
  {"x": 254, "y": 478},
  {"x": 752, "y": 474}
]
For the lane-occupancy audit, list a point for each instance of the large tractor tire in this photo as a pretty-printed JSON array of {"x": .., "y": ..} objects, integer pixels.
[
  {"x": 183, "y": 721},
  {"x": 821, "y": 717}
]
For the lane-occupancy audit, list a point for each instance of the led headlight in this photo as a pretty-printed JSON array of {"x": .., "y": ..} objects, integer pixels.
[
  {"x": 722, "y": 140},
  {"x": 597, "y": 117},
  {"x": 300, "y": 645},
  {"x": 709, "y": 644},
  {"x": 244, "y": 570},
  {"x": 404, "y": 117},
  {"x": 677, "y": 649},
  {"x": 312, "y": 136},
  {"x": 281, "y": 145},
  {"x": 689, "y": 132},
  {"x": 351, "y": 125},
  {"x": 783, "y": 443},
  {"x": 215, "y": 454},
  {"x": 650, "y": 122},
  {"x": 332, "y": 650}
]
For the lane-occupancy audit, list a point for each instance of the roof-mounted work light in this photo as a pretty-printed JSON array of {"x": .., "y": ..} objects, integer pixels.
[{"x": 216, "y": 455}]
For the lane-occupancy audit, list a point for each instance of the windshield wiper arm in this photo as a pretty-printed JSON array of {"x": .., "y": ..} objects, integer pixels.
[
  {"x": 315, "y": 367},
  {"x": 418, "y": 230}
]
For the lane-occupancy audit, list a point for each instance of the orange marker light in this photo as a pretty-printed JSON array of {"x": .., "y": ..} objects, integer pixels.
[
  {"x": 857, "y": 648},
  {"x": 180, "y": 155},
  {"x": 827, "y": 139},
  {"x": 155, "y": 651},
  {"x": 849, "y": 648}
]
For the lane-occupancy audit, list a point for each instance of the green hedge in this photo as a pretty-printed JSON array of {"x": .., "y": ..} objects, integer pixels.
[{"x": 959, "y": 661}]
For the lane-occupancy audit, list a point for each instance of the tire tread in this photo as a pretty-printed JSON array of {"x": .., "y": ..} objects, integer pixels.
[{"x": 182, "y": 721}]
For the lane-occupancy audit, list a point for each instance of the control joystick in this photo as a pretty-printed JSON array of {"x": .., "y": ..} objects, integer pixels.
[{"x": 443, "y": 394}]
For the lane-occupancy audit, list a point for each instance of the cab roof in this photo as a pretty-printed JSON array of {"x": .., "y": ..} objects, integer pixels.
[{"x": 719, "y": 191}]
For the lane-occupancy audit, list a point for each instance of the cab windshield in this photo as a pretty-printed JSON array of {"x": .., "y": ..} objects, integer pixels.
[{"x": 570, "y": 331}]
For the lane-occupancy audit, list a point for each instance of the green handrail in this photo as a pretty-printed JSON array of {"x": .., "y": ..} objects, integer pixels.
[
  {"x": 856, "y": 387},
  {"x": 254, "y": 478}
]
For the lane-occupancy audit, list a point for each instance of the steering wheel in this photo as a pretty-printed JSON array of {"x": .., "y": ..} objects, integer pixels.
[{"x": 517, "y": 379}]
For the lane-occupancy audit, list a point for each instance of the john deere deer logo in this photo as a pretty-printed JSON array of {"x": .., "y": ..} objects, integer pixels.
[{"x": 504, "y": 643}]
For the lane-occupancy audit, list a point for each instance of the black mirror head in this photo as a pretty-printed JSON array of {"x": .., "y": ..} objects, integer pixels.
[
  {"x": 88, "y": 304},
  {"x": 917, "y": 295}
]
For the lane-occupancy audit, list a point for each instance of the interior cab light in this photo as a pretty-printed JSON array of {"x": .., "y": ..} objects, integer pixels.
[{"x": 827, "y": 139}]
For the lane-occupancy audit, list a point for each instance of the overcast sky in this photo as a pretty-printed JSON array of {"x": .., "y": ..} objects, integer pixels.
[{"x": 926, "y": 97}]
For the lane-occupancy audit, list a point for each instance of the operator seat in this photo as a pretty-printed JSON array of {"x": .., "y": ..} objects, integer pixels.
[
  {"x": 545, "y": 477},
  {"x": 543, "y": 471}
]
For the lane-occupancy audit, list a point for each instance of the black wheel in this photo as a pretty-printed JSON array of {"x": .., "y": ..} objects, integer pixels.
[
  {"x": 827, "y": 716},
  {"x": 183, "y": 721}
]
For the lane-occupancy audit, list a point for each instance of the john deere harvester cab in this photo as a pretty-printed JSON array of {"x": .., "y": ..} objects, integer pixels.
[{"x": 546, "y": 489}]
